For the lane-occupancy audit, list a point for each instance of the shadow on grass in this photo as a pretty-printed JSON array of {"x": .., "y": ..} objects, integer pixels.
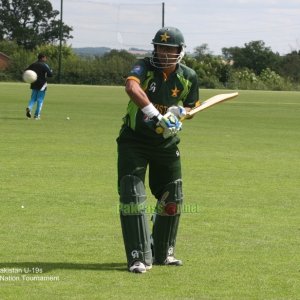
[{"x": 50, "y": 266}]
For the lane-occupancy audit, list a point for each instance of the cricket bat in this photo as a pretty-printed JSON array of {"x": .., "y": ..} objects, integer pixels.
[{"x": 206, "y": 104}]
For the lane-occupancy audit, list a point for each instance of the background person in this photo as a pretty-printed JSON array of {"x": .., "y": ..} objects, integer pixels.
[{"x": 39, "y": 86}]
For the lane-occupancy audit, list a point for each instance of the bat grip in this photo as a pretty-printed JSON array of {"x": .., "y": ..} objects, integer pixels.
[{"x": 160, "y": 130}]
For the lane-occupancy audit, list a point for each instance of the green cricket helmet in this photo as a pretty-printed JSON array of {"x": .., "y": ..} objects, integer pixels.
[{"x": 169, "y": 37}]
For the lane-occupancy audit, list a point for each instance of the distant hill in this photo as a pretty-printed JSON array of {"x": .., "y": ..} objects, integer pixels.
[
  {"x": 99, "y": 51},
  {"x": 91, "y": 51}
]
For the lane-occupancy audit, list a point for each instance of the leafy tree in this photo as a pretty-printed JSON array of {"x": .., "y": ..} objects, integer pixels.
[
  {"x": 202, "y": 52},
  {"x": 290, "y": 66},
  {"x": 212, "y": 70},
  {"x": 109, "y": 69},
  {"x": 116, "y": 65},
  {"x": 272, "y": 80},
  {"x": 31, "y": 23},
  {"x": 8, "y": 47},
  {"x": 254, "y": 56}
]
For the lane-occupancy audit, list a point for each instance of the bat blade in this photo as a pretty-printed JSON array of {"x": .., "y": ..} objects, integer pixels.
[
  {"x": 206, "y": 104},
  {"x": 210, "y": 102}
]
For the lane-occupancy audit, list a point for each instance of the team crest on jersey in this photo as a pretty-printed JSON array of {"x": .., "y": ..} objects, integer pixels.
[
  {"x": 137, "y": 70},
  {"x": 175, "y": 91}
]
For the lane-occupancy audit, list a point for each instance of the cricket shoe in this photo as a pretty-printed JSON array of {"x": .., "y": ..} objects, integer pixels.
[
  {"x": 37, "y": 118},
  {"x": 139, "y": 267},
  {"x": 172, "y": 261},
  {"x": 28, "y": 113}
]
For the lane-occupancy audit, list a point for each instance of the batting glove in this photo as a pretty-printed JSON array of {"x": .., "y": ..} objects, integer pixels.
[
  {"x": 170, "y": 124},
  {"x": 178, "y": 111}
]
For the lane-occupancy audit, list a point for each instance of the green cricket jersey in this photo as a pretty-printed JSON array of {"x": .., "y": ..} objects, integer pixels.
[{"x": 180, "y": 88}]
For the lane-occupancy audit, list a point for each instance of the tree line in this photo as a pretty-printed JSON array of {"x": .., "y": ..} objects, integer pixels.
[
  {"x": 253, "y": 66},
  {"x": 31, "y": 26}
]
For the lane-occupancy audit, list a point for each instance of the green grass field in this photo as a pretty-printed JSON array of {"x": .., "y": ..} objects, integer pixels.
[{"x": 241, "y": 162}]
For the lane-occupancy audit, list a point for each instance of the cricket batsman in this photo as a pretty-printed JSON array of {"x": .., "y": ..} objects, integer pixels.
[{"x": 161, "y": 91}]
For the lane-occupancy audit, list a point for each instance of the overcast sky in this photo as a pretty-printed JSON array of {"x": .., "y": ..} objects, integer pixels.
[{"x": 219, "y": 23}]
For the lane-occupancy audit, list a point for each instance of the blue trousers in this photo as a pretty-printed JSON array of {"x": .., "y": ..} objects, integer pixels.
[{"x": 37, "y": 97}]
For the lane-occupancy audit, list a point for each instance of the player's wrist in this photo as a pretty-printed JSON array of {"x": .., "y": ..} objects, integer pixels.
[{"x": 151, "y": 112}]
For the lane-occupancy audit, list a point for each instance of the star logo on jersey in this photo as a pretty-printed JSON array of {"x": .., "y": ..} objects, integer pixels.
[
  {"x": 175, "y": 92},
  {"x": 164, "y": 37}
]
